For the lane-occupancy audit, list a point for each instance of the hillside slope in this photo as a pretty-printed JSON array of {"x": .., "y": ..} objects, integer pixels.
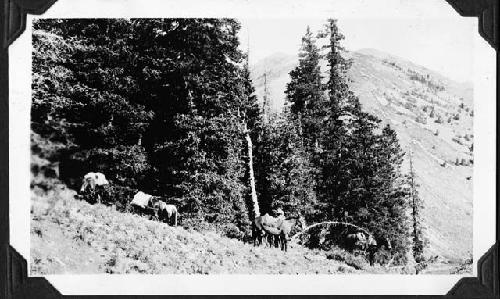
[
  {"x": 433, "y": 117},
  {"x": 72, "y": 236}
]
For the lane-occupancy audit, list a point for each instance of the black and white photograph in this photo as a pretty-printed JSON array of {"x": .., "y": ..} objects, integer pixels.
[{"x": 247, "y": 144}]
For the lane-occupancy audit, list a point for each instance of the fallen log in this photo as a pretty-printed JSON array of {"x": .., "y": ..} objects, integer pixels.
[{"x": 330, "y": 222}]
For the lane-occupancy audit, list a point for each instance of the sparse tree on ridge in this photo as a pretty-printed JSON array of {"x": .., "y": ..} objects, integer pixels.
[{"x": 419, "y": 241}]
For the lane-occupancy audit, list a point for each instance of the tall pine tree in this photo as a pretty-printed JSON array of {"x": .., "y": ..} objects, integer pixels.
[
  {"x": 305, "y": 92},
  {"x": 419, "y": 241}
]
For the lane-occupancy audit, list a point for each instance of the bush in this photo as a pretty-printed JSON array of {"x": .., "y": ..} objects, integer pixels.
[
  {"x": 421, "y": 119},
  {"x": 358, "y": 262},
  {"x": 119, "y": 196},
  {"x": 192, "y": 222},
  {"x": 464, "y": 267},
  {"x": 232, "y": 231}
]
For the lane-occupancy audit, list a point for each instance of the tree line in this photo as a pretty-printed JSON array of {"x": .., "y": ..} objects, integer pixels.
[{"x": 164, "y": 106}]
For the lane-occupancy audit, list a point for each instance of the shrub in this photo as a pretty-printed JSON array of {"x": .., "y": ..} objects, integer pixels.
[
  {"x": 231, "y": 231},
  {"x": 119, "y": 196},
  {"x": 358, "y": 262},
  {"x": 191, "y": 222},
  {"x": 464, "y": 267},
  {"x": 421, "y": 119}
]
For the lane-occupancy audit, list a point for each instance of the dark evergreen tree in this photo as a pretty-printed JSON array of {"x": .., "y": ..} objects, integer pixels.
[
  {"x": 156, "y": 104},
  {"x": 305, "y": 92},
  {"x": 266, "y": 101},
  {"x": 333, "y": 145},
  {"x": 286, "y": 176},
  {"x": 390, "y": 195},
  {"x": 89, "y": 101},
  {"x": 419, "y": 241},
  {"x": 357, "y": 170}
]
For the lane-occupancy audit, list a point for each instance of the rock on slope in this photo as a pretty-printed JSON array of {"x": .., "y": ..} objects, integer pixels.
[{"x": 433, "y": 118}]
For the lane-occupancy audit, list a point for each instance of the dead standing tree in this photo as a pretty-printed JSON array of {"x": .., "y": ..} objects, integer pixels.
[{"x": 253, "y": 190}]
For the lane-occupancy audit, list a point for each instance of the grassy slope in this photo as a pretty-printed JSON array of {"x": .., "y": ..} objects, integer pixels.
[{"x": 71, "y": 236}]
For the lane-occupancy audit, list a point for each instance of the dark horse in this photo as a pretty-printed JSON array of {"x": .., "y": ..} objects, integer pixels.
[
  {"x": 372, "y": 246},
  {"x": 368, "y": 244},
  {"x": 258, "y": 231}
]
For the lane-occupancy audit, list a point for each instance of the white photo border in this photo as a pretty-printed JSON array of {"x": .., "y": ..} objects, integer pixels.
[{"x": 484, "y": 219}]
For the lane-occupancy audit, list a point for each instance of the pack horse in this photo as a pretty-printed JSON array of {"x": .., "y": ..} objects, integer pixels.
[
  {"x": 167, "y": 213},
  {"x": 145, "y": 204},
  {"x": 92, "y": 182}
]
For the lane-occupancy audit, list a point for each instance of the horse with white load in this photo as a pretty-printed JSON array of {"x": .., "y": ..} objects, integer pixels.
[
  {"x": 93, "y": 183},
  {"x": 155, "y": 208}
]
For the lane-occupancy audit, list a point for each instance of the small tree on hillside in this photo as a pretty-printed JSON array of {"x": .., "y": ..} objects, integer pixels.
[{"x": 417, "y": 233}]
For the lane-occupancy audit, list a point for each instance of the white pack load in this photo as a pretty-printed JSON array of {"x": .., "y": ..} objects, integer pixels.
[
  {"x": 99, "y": 178},
  {"x": 141, "y": 199},
  {"x": 93, "y": 179}
]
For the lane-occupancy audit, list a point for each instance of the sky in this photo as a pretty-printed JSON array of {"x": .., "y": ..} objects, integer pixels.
[
  {"x": 427, "y": 32},
  {"x": 441, "y": 44}
]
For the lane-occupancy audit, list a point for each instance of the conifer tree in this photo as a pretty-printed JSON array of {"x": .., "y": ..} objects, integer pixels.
[
  {"x": 356, "y": 170},
  {"x": 305, "y": 91},
  {"x": 286, "y": 176},
  {"x": 419, "y": 241},
  {"x": 332, "y": 142},
  {"x": 89, "y": 101},
  {"x": 266, "y": 101},
  {"x": 390, "y": 194}
]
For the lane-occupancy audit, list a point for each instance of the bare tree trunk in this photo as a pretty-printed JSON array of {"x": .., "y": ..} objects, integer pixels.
[
  {"x": 252, "y": 176},
  {"x": 330, "y": 222}
]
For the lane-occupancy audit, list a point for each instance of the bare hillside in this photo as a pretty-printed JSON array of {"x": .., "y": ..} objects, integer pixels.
[{"x": 433, "y": 117}]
